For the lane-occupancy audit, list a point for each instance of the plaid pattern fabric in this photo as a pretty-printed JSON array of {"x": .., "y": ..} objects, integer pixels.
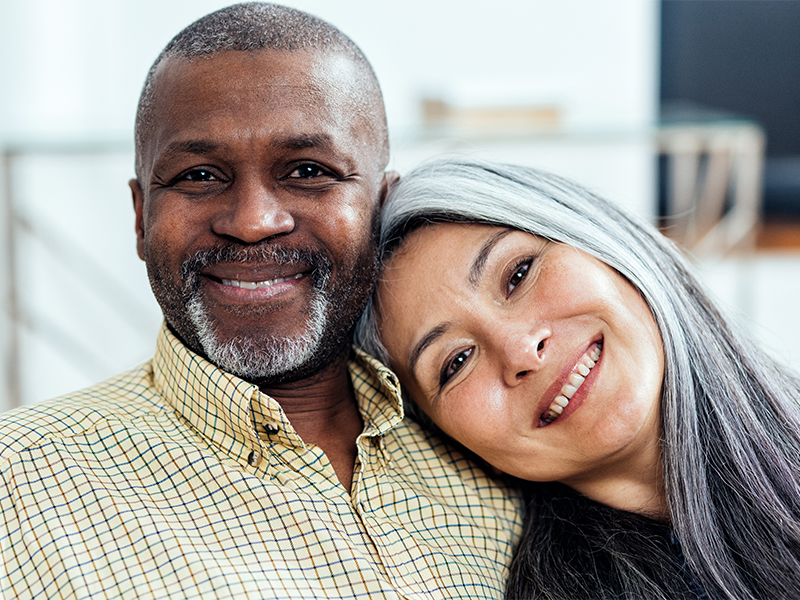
[{"x": 177, "y": 480}]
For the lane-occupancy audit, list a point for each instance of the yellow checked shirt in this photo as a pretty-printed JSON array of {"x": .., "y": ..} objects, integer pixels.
[{"x": 178, "y": 480}]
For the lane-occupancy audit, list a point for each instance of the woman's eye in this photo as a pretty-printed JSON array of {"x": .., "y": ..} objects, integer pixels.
[
  {"x": 307, "y": 171},
  {"x": 454, "y": 365},
  {"x": 518, "y": 275}
]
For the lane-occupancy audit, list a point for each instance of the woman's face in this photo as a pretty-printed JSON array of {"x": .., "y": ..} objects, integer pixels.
[{"x": 536, "y": 356}]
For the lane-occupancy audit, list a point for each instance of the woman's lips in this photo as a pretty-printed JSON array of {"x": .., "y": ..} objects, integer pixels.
[{"x": 575, "y": 380}]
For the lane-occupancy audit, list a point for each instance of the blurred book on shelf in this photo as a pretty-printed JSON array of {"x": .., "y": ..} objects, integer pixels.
[{"x": 439, "y": 114}]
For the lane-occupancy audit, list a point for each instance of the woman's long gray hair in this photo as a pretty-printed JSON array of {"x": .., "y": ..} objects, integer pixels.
[{"x": 729, "y": 414}]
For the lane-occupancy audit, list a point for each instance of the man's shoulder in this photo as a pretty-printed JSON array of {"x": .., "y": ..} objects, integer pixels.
[{"x": 121, "y": 397}]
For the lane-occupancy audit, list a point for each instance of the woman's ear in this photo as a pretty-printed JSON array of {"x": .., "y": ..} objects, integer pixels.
[{"x": 390, "y": 178}]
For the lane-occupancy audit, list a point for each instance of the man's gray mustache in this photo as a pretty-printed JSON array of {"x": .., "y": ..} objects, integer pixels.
[{"x": 320, "y": 265}]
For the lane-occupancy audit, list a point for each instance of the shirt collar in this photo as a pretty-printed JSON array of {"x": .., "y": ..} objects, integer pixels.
[{"x": 229, "y": 411}]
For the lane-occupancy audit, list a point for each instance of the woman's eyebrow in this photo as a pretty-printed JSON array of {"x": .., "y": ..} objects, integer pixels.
[
  {"x": 476, "y": 270},
  {"x": 426, "y": 341}
]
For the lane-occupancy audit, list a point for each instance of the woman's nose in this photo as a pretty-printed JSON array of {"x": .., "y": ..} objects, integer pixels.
[{"x": 525, "y": 353}]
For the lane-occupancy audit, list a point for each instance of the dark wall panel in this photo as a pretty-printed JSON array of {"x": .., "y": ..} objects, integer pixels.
[{"x": 741, "y": 56}]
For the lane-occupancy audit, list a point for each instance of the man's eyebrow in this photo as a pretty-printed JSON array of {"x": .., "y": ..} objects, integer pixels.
[
  {"x": 476, "y": 270},
  {"x": 294, "y": 142},
  {"x": 426, "y": 341},
  {"x": 300, "y": 142},
  {"x": 191, "y": 147}
]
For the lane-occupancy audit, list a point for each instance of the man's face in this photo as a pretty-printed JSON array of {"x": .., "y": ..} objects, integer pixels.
[{"x": 257, "y": 207}]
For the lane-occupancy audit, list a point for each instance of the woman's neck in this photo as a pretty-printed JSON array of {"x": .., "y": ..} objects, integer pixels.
[{"x": 635, "y": 485}]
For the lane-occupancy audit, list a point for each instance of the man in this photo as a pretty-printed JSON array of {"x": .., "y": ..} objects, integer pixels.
[{"x": 256, "y": 455}]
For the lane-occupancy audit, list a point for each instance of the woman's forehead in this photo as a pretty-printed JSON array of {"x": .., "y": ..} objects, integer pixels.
[{"x": 430, "y": 237}]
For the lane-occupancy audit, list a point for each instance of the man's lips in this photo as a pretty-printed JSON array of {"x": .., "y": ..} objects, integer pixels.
[
  {"x": 258, "y": 285},
  {"x": 254, "y": 276},
  {"x": 264, "y": 282}
]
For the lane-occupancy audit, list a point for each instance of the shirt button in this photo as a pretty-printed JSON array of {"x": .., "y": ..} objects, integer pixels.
[
  {"x": 253, "y": 458},
  {"x": 271, "y": 428}
]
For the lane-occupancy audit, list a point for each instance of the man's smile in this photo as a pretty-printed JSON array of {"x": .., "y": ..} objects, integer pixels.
[
  {"x": 256, "y": 276},
  {"x": 255, "y": 285},
  {"x": 249, "y": 291},
  {"x": 237, "y": 282}
]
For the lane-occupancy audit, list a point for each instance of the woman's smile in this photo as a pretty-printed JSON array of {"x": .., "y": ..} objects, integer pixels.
[
  {"x": 571, "y": 394},
  {"x": 536, "y": 356}
]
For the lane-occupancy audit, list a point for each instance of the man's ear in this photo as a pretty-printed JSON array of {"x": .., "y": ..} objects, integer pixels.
[
  {"x": 138, "y": 208},
  {"x": 390, "y": 178}
]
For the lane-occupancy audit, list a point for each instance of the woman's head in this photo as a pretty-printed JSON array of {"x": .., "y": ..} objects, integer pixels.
[
  {"x": 729, "y": 417},
  {"x": 486, "y": 323},
  {"x": 578, "y": 224}
]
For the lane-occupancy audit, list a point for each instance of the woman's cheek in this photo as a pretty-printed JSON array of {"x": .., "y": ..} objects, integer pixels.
[{"x": 478, "y": 416}]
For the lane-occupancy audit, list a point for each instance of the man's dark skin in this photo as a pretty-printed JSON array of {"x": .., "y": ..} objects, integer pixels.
[{"x": 265, "y": 147}]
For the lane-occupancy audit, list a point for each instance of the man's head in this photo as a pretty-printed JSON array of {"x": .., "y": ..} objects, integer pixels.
[{"x": 260, "y": 153}]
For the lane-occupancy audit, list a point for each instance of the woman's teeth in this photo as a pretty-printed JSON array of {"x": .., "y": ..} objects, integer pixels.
[
  {"x": 255, "y": 285},
  {"x": 574, "y": 381}
]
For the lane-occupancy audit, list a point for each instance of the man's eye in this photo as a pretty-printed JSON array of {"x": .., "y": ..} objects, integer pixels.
[
  {"x": 454, "y": 365},
  {"x": 518, "y": 275},
  {"x": 199, "y": 175},
  {"x": 308, "y": 171}
]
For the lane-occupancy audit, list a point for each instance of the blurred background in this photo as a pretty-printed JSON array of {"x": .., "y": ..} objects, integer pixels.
[{"x": 686, "y": 112}]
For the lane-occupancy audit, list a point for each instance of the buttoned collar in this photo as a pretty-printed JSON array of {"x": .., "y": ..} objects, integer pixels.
[{"x": 235, "y": 415}]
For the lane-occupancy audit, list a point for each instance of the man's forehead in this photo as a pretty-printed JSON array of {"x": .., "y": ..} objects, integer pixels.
[
  {"x": 304, "y": 92},
  {"x": 304, "y": 87},
  {"x": 327, "y": 72}
]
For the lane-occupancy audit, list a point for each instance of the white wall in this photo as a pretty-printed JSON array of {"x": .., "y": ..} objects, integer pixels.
[
  {"x": 79, "y": 64},
  {"x": 74, "y": 69},
  {"x": 760, "y": 293}
]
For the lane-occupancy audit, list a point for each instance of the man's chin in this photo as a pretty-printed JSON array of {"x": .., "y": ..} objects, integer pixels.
[
  {"x": 270, "y": 359},
  {"x": 261, "y": 358}
]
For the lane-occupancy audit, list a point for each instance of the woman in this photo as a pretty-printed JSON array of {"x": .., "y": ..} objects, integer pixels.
[{"x": 569, "y": 344}]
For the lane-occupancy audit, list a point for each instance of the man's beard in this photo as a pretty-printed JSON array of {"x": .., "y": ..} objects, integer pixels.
[
  {"x": 325, "y": 334},
  {"x": 265, "y": 358},
  {"x": 270, "y": 357}
]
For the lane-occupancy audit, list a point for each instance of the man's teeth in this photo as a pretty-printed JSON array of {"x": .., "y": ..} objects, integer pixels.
[
  {"x": 256, "y": 285},
  {"x": 574, "y": 381}
]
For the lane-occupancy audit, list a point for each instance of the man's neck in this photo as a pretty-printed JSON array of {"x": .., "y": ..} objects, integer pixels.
[{"x": 323, "y": 411}]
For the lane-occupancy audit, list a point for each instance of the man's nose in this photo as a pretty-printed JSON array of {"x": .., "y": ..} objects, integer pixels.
[
  {"x": 251, "y": 212},
  {"x": 524, "y": 351}
]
